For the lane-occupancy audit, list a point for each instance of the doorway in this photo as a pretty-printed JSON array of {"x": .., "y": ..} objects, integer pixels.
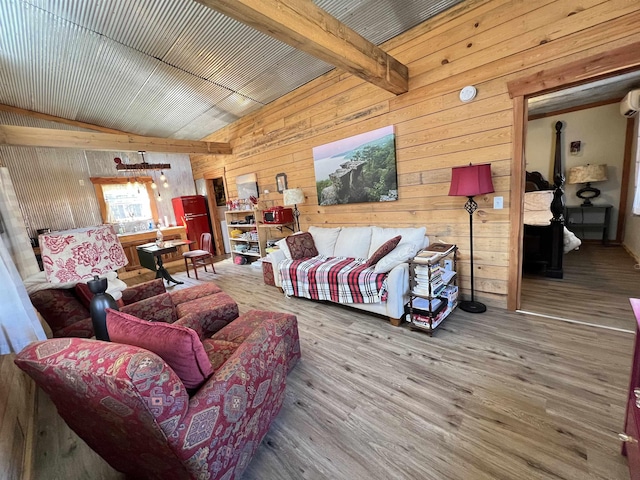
[
  {"x": 217, "y": 194},
  {"x": 619, "y": 61},
  {"x": 597, "y": 132}
]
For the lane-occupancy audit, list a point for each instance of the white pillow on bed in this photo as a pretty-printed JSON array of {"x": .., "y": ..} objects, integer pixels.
[
  {"x": 536, "y": 201},
  {"x": 571, "y": 242},
  {"x": 537, "y": 207}
]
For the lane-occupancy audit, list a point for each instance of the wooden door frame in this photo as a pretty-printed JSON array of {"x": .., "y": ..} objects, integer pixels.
[
  {"x": 213, "y": 208},
  {"x": 612, "y": 63}
]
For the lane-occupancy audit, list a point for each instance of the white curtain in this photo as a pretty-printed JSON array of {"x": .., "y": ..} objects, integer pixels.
[
  {"x": 13, "y": 229},
  {"x": 19, "y": 324}
]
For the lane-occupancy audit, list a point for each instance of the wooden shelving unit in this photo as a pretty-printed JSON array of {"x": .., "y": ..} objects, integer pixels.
[
  {"x": 256, "y": 243},
  {"x": 249, "y": 244},
  {"x": 433, "y": 291}
]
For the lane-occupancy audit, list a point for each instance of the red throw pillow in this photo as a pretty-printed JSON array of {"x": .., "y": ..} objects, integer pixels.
[
  {"x": 179, "y": 346},
  {"x": 301, "y": 246},
  {"x": 385, "y": 249}
]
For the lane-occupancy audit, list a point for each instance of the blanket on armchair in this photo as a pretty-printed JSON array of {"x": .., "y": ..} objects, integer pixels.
[{"x": 338, "y": 279}]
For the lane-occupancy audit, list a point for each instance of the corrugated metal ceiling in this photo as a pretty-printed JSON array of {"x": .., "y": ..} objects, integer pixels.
[{"x": 171, "y": 68}]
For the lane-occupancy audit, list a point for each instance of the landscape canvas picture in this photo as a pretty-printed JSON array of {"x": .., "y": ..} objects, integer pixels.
[{"x": 357, "y": 169}]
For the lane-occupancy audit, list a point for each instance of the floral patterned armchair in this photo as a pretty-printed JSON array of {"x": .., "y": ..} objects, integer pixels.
[
  {"x": 134, "y": 411},
  {"x": 66, "y": 310},
  {"x": 204, "y": 308}
]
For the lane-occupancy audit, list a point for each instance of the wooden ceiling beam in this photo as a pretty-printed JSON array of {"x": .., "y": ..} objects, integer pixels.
[
  {"x": 45, "y": 137},
  {"x": 52, "y": 118},
  {"x": 303, "y": 25}
]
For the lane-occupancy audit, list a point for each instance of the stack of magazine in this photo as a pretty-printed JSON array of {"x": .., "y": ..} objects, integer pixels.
[
  {"x": 430, "y": 280},
  {"x": 433, "y": 253}
]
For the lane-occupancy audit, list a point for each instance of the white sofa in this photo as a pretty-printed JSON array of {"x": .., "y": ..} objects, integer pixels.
[{"x": 362, "y": 242}]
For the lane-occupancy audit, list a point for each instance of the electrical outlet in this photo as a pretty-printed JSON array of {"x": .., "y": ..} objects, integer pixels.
[
  {"x": 498, "y": 203},
  {"x": 81, "y": 182}
]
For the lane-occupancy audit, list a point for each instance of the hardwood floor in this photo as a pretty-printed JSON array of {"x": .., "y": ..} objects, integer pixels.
[
  {"x": 598, "y": 282},
  {"x": 494, "y": 396}
]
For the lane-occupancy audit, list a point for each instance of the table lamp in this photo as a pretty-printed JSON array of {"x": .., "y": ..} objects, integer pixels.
[
  {"x": 468, "y": 182},
  {"x": 81, "y": 254},
  {"x": 294, "y": 196},
  {"x": 587, "y": 174}
]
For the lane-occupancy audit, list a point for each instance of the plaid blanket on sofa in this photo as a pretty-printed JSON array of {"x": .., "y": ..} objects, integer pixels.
[{"x": 339, "y": 279}]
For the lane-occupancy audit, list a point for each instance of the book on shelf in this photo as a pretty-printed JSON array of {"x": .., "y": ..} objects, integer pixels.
[
  {"x": 450, "y": 293},
  {"x": 424, "y": 305},
  {"x": 440, "y": 275},
  {"x": 424, "y": 322},
  {"x": 426, "y": 269},
  {"x": 433, "y": 252},
  {"x": 428, "y": 322},
  {"x": 425, "y": 291},
  {"x": 441, "y": 248}
]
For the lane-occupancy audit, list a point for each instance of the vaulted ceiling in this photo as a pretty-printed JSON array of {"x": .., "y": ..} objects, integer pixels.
[{"x": 170, "y": 68}]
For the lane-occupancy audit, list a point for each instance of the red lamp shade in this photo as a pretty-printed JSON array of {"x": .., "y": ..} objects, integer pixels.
[{"x": 471, "y": 180}]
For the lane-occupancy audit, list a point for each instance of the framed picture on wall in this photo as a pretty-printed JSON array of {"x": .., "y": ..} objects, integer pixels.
[
  {"x": 218, "y": 188},
  {"x": 357, "y": 169},
  {"x": 281, "y": 182},
  {"x": 247, "y": 185}
]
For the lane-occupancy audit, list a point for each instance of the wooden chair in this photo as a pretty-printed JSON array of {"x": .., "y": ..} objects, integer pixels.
[{"x": 200, "y": 258}]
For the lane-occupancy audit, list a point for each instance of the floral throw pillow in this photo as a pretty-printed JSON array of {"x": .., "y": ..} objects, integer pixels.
[
  {"x": 385, "y": 249},
  {"x": 301, "y": 246}
]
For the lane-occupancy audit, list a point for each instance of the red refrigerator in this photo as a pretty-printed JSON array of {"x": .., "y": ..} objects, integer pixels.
[{"x": 192, "y": 213}]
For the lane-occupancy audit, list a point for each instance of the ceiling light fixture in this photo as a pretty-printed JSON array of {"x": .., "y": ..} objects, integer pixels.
[{"x": 141, "y": 168}]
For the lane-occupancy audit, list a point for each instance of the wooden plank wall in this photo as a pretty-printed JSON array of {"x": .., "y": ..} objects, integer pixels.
[
  {"x": 480, "y": 42},
  {"x": 17, "y": 416}
]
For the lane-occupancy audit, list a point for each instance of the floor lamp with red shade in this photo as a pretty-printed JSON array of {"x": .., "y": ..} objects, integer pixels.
[{"x": 470, "y": 181}]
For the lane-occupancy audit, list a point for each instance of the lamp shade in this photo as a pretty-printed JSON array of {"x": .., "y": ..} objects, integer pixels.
[
  {"x": 587, "y": 174},
  {"x": 293, "y": 196},
  {"x": 471, "y": 180},
  {"x": 76, "y": 255}
]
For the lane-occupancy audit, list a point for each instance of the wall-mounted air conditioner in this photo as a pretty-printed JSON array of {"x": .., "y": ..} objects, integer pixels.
[{"x": 630, "y": 104}]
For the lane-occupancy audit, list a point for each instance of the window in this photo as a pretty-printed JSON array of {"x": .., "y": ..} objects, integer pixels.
[
  {"x": 122, "y": 203},
  {"x": 126, "y": 203}
]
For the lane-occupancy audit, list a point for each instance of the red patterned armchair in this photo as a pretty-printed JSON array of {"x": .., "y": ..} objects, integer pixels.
[
  {"x": 204, "y": 308},
  {"x": 134, "y": 411},
  {"x": 66, "y": 310}
]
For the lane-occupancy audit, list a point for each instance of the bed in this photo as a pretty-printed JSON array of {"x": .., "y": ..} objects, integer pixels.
[
  {"x": 539, "y": 244},
  {"x": 546, "y": 239}
]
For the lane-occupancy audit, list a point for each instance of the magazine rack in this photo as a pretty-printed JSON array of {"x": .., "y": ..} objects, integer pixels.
[{"x": 433, "y": 293}]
